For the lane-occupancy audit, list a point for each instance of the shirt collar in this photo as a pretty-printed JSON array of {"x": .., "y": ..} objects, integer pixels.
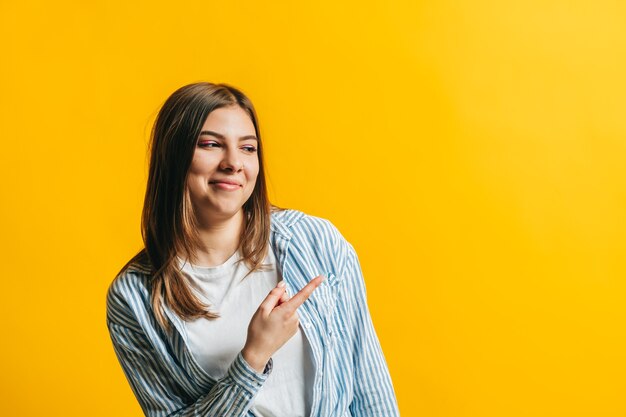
[{"x": 281, "y": 221}]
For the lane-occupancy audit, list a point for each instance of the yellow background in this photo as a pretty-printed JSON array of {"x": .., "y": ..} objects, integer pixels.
[{"x": 473, "y": 152}]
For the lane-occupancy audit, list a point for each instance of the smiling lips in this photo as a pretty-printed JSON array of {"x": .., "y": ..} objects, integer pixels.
[{"x": 226, "y": 185}]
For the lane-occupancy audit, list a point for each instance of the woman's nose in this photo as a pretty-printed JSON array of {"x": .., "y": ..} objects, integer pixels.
[{"x": 231, "y": 161}]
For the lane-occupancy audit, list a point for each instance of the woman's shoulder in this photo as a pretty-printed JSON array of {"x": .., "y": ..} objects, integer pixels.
[
  {"x": 130, "y": 288},
  {"x": 300, "y": 221},
  {"x": 290, "y": 217},
  {"x": 133, "y": 278}
]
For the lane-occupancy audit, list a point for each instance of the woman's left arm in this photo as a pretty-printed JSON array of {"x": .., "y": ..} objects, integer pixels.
[{"x": 373, "y": 390}]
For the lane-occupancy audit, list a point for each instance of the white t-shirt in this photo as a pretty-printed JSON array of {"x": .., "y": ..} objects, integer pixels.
[{"x": 288, "y": 389}]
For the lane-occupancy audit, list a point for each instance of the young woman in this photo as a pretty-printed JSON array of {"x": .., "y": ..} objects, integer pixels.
[{"x": 236, "y": 307}]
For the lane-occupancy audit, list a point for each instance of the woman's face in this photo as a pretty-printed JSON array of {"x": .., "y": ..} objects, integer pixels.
[{"x": 226, "y": 152}]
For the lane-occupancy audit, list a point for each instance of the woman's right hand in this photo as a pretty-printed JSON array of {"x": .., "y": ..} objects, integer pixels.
[{"x": 274, "y": 323}]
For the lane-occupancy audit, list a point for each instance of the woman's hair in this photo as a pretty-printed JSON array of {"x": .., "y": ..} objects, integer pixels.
[{"x": 169, "y": 228}]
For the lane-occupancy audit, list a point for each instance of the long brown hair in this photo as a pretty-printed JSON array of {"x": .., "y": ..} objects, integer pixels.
[{"x": 168, "y": 224}]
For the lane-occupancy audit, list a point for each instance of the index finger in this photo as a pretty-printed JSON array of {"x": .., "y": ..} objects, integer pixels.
[{"x": 298, "y": 299}]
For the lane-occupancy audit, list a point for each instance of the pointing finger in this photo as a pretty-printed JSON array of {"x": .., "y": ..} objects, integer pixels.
[{"x": 298, "y": 299}]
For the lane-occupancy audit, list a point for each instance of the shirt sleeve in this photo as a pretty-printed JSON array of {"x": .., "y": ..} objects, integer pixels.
[
  {"x": 373, "y": 390},
  {"x": 160, "y": 395}
]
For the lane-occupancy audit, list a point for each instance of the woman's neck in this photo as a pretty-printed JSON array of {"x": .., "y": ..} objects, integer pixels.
[{"x": 219, "y": 240}]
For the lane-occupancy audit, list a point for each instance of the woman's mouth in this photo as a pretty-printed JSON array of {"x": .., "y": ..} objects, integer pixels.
[{"x": 225, "y": 186}]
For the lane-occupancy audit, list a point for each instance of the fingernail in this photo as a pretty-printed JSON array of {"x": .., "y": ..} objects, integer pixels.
[{"x": 281, "y": 284}]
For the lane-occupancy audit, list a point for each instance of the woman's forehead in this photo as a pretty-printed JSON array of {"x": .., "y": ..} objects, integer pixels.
[{"x": 232, "y": 120}]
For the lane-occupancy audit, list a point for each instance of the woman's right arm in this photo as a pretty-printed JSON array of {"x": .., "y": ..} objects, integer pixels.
[
  {"x": 159, "y": 394},
  {"x": 155, "y": 386}
]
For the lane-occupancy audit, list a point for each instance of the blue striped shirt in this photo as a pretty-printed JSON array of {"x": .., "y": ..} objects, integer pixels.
[{"x": 351, "y": 378}]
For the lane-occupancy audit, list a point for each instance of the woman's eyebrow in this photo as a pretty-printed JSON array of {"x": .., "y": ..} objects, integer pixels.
[{"x": 220, "y": 136}]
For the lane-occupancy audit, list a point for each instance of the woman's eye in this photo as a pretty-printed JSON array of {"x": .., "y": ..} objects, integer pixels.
[
  {"x": 207, "y": 144},
  {"x": 250, "y": 149}
]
